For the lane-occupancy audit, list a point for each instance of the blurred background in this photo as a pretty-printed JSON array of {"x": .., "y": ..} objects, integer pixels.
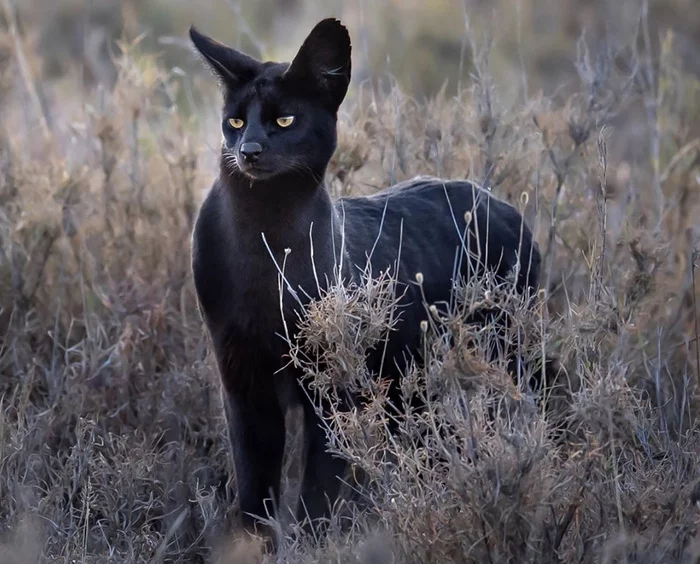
[{"x": 422, "y": 44}]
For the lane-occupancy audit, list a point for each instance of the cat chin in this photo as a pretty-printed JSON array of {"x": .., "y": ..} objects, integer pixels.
[{"x": 259, "y": 175}]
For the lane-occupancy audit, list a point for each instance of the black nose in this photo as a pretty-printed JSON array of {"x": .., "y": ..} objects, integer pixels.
[{"x": 250, "y": 152}]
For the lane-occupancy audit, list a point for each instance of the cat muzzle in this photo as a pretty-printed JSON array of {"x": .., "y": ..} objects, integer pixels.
[{"x": 250, "y": 152}]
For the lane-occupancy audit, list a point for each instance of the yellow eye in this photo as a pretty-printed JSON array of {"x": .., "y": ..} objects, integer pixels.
[
  {"x": 285, "y": 121},
  {"x": 235, "y": 123}
]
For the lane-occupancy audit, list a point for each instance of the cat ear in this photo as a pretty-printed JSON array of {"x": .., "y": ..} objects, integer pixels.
[
  {"x": 232, "y": 67},
  {"x": 323, "y": 61}
]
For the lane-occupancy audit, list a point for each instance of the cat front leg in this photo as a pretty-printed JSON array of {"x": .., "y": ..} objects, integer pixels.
[
  {"x": 257, "y": 433},
  {"x": 324, "y": 473}
]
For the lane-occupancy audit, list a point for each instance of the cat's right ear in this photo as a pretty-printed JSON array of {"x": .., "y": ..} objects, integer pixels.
[{"x": 232, "y": 67}]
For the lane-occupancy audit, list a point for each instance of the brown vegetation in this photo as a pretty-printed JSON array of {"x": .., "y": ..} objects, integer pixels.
[{"x": 112, "y": 442}]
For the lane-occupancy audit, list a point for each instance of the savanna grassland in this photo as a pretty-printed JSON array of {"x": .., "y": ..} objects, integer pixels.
[{"x": 112, "y": 437}]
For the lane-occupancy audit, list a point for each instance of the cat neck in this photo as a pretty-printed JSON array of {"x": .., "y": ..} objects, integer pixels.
[
  {"x": 283, "y": 206},
  {"x": 287, "y": 214}
]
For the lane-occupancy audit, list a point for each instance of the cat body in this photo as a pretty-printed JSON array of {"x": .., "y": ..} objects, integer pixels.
[{"x": 270, "y": 212}]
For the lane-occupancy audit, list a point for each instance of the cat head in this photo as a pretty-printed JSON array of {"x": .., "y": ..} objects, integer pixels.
[{"x": 280, "y": 118}]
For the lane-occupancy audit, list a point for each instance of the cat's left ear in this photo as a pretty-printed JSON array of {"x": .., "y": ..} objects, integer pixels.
[{"x": 323, "y": 62}]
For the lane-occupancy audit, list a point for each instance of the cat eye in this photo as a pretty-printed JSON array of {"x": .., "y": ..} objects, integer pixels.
[
  {"x": 285, "y": 121},
  {"x": 235, "y": 123}
]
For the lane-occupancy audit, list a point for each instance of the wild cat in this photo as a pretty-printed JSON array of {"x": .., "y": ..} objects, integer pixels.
[{"x": 279, "y": 132}]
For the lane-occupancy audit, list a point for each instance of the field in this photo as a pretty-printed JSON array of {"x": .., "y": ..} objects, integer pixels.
[{"x": 112, "y": 437}]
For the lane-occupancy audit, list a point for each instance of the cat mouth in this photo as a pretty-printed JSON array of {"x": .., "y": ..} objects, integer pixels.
[{"x": 255, "y": 170}]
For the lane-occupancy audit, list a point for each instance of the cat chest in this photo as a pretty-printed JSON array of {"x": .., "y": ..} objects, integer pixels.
[{"x": 244, "y": 294}]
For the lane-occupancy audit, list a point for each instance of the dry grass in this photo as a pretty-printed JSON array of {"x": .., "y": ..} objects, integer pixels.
[{"x": 112, "y": 444}]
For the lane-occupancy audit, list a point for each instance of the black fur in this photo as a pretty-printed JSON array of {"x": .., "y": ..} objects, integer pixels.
[{"x": 280, "y": 202}]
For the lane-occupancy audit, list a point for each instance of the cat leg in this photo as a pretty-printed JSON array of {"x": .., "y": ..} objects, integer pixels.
[
  {"x": 324, "y": 473},
  {"x": 257, "y": 434}
]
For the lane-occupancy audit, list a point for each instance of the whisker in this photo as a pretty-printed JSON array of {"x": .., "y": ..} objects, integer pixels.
[
  {"x": 230, "y": 161},
  {"x": 296, "y": 165}
]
